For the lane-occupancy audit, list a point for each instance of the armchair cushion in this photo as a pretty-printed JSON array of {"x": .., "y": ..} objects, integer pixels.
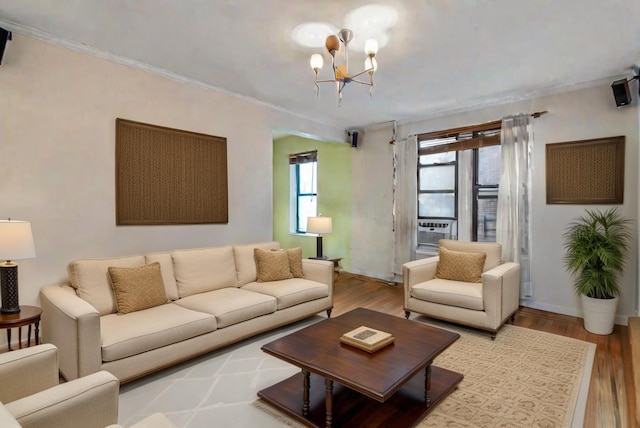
[
  {"x": 452, "y": 293},
  {"x": 137, "y": 288},
  {"x": 460, "y": 266}
]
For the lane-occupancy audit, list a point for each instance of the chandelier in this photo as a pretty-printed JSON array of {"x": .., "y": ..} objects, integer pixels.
[{"x": 341, "y": 74}]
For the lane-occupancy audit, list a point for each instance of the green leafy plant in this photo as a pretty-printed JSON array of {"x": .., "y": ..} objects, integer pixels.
[{"x": 596, "y": 248}]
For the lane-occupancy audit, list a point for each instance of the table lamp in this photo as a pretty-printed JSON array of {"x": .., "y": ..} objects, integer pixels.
[
  {"x": 319, "y": 225},
  {"x": 16, "y": 243}
]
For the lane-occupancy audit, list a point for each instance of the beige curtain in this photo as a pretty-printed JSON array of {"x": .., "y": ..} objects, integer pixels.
[{"x": 405, "y": 161}]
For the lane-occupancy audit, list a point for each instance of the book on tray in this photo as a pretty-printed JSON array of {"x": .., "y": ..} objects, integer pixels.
[{"x": 367, "y": 338}]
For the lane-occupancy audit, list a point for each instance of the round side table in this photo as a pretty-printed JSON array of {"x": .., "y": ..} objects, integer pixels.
[{"x": 28, "y": 315}]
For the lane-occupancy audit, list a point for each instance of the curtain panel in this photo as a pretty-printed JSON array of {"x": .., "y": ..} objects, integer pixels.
[
  {"x": 514, "y": 196},
  {"x": 405, "y": 204}
]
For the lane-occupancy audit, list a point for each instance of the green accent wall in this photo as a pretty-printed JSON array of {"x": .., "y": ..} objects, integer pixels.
[{"x": 334, "y": 196}]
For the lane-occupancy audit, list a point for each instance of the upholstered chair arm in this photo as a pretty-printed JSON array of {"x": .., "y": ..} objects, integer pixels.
[
  {"x": 6, "y": 419},
  {"x": 416, "y": 272},
  {"x": 88, "y": 402},
  {"x": 320, "y": 271},
  {"x": 501, "y": 291},
  {"x": 73, "y": 326},
  {"x": 24, "y": 372}
]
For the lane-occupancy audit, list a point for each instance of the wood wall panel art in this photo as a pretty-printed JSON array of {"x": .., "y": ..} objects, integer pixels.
[
  {"x": 586, "y": 172},
  {"x": 169, "y": 176}
]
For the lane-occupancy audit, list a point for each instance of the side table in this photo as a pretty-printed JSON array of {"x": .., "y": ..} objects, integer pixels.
[{"x": 28, "y": 315}]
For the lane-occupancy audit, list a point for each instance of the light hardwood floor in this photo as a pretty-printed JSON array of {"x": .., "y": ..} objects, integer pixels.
[{"x": 611, "y": 402}]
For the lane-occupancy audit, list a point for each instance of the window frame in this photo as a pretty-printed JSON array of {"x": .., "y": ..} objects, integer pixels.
[
  {"x": 476, "y": 194},
  {"x": 453, "y": 191},
  {"x": 298, "y": 159}
]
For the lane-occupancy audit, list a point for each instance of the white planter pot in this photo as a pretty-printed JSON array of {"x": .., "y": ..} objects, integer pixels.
[{"x": 599, "y": 314}]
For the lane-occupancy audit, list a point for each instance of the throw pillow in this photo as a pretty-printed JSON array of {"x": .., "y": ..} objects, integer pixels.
[
  {"x": 295, "y": 262},
  {"x": 137, "y": 288},
  {"x": 460, "y": 266},
  {"x": 271, "y": 265}
]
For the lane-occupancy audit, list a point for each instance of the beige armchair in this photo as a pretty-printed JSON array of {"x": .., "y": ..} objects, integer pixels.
[
  {"x": 485, "y": 304},
  {"x": 31, "y": 396}
]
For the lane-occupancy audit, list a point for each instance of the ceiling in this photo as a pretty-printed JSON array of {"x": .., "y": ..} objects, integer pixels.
[{"x": 443, "y": 56}]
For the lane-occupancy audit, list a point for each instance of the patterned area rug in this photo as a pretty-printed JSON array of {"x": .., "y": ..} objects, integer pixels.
[{"x": 525, "y": 378}]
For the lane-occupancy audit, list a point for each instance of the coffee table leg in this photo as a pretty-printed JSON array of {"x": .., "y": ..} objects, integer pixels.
[
  {"x": 427, "y": 385},
  {"x": 9, "y": 339},
  {"x": 328, "y": 399},
  {"x": 305, "y": 392}
]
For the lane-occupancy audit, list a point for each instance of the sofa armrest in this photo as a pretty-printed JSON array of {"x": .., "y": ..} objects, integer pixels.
[
  {"x": 501, "y": 291},
  {"x": 88, "y": 402},
  {"x": 320, "y": 271},
  {"x": 27, "y": 371},
  {"x": 6, "y": 418},
  {"x": 73, "y": 326},
  {"x": 416, "y": 272}
]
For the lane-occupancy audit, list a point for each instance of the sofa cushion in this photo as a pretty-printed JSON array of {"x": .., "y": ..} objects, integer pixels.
[
  {"x": 491, "y": 249},
  {"x": 230, "y": 305},
  {"x": 138, "y": 287},
  {"x": 92, "y": 283},
  {"x": 460, "y": 266},
  {"x": 290, "y": 292},
  {"x": 204, "y": 269},
  {"x": 246, "y": 262},
  {"x": 272, "y": 265},
  {"x": 166, "y": 266},
  {"x": 451, "y": 293},
  {"x": 138, "y": 332},
  {"x": 295, "y": 262}
]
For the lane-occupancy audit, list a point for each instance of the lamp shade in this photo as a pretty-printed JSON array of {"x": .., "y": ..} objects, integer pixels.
[
  {"x": 16, "y": 240},
  {"x": 319, "y": 225}
]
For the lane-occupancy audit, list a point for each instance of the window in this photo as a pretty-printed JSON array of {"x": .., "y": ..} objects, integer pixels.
[
  {"x": 304, "y": 185},
  {"x": 486, "y": 173},
  {"x": 458, "y": 177},
  {"x": 438, "y": 185}
]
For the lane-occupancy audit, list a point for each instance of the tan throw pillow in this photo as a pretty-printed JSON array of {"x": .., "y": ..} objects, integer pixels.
[
  {"x": 295, "y": 262},
  {"x": 137, "y": 288},
  {"x": 460, "y": 266},
  {"x": 271, "y": 265}
]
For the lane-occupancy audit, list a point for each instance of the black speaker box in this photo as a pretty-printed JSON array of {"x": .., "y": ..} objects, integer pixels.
[
  {"x": 4, "y": 36},
  {"x": 621, "y": 92},
  {"x": 354, "y": 139}
]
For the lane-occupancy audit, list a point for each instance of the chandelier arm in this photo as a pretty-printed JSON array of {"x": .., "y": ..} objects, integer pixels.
[
  {"x": 361, "y": 82},
  {"x": 362, "y": 72},
  {"x": 327, "y": 81}
]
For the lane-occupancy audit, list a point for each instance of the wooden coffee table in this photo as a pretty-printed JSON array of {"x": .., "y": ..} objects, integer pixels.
[{"x": 340, "y": 385}]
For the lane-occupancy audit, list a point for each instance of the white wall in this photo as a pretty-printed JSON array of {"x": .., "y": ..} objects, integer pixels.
[
  {"x": 576, "y": 115},
  {"x": 57, "y": 155}
]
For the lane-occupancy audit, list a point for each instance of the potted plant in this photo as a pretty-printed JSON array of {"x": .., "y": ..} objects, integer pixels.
[{"x": 596, "y": 247}]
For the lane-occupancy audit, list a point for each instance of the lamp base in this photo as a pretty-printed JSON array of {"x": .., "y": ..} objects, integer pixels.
[
  {"x": 9, "y": 288},
  {"x": 319, "y": 248}
]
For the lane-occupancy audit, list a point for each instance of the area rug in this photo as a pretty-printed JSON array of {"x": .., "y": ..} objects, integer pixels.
[{"x": 525, "y": 378}]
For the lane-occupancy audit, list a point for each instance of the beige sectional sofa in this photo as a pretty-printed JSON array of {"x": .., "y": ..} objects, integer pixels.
[{"x": 213, "y": 300}]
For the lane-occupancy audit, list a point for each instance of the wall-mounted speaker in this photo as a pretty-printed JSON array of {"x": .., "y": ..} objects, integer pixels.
[
  {"x": 621, "y": 92},
  {"x": 4, "y": 36},
  {"x": 353, "y": 135}
]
